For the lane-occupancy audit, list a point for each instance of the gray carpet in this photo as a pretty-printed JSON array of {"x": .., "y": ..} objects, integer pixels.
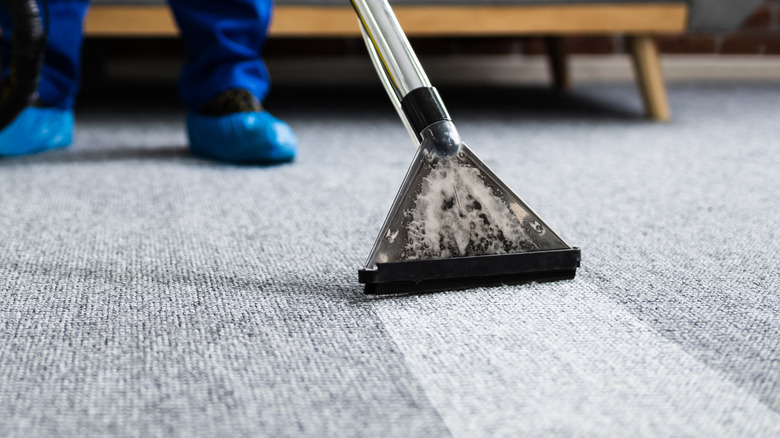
[{"x": 144, "y": 292}]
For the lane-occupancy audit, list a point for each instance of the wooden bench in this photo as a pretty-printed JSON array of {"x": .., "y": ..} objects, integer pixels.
[{"x": 637, "y": 21}]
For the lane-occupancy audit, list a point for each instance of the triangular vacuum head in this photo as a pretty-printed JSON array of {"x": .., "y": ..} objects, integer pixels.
[{"x": 455, "y": 225}]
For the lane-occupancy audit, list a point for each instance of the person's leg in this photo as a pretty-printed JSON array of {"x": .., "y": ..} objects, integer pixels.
[
  {"x": 48, "y": 124},
  {"x": 224, "y": 80}
]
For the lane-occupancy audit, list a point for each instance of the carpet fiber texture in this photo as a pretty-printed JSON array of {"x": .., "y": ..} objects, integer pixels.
[{"x": 145, "y": 292}]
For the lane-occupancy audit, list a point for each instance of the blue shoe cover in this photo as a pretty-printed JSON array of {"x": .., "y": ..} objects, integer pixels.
[
  {"x": 241, "y": 138},
  {"x": 37, "y": 130}
]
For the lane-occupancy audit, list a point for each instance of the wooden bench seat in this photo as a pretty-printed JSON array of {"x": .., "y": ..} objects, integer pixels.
[{"x": 637, "y": 21}]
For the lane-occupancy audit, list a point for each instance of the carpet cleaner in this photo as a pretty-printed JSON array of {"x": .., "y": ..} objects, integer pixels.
[{"x": 453, "y": 224}]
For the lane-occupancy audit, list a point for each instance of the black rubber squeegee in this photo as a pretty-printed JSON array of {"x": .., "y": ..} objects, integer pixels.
[{"x": 453, "y": 224}]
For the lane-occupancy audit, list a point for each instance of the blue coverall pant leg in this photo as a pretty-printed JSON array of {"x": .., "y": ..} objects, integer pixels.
[
  {"x": 223, "y": 37},
  {"x": 62, "y": 57}
]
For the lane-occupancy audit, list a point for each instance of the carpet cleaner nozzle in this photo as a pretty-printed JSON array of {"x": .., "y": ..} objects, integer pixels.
[{"x": 453, "y": 224}]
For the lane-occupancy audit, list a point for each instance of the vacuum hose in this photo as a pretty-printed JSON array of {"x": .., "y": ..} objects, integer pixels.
[{"x": 29, "y": 40}]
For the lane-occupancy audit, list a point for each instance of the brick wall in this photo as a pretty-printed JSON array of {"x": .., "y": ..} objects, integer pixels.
[{"x": 759, "y": 34}]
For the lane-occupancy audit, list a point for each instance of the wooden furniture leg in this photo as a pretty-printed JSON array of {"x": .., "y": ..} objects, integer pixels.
[
  {"x": 650, "y": 80},
  {"x": 559, "y": 66}
]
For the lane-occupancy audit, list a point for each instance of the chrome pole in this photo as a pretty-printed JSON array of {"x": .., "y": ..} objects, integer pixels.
[
  {"x": 388, "y": 86},
  {"x": 396, "y": 56}
]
